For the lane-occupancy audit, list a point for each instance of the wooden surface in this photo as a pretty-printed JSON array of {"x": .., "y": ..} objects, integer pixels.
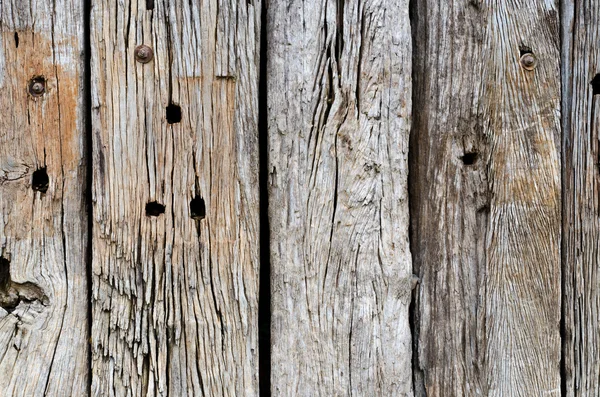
[
  {"x": 486, "y": 199},
  {"x": 43, "y": 233},
  {"x": 485, "y": 286},
  {"x": 339, "y": 84},
  {"x": 581, "y": 199},
  {"x": 174, "y": 307}
]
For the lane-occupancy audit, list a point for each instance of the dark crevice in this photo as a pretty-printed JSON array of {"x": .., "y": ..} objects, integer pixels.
[
  {"x": 596, "y": 84},
  {"x": 87, "y": 106},
  {"x": 417, "y": 9},
  {"x": 16, "y": 40},
  {"x": 567, "y": 35},
  {"x": 40, "y": 180},
  {"x": 264, "y": 295},
  {"x": 154, "y": 209},
  {"x": 149, "y": 4},
  {"x": 339, "y": 35}
]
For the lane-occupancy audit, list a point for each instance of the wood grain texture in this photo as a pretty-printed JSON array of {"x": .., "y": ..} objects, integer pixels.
[
  {"x": 339, "y": 103},
  {"x": 581, "y": 260},
  {"x": 43, "y": 233},
  {"x": 175, "y": 298},
  {"x": 485, "y": 173}
]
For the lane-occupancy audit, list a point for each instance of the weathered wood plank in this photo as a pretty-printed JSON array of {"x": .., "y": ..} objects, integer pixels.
[
  {"x": 581, "y": 104},
  {"x": 339, "y": 103},
  {"x": 43, "y": 227},
  {"x": 486, "y": 188},
  {"x": 175, "y": 294}
]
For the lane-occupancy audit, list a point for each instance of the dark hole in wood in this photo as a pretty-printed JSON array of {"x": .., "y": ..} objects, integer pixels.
[
  {"x": 469, "y": 158},
  {"x": 154, "y": 209},
  {"x": 197, "y": 208},
  {"x": 525, "y": 50},
  {"x": 173, "y": 113},
  {"x": 16, "y": 40},
  {"x": 149, "y": 4},
  {"x": 596, "y": 84},
  {"x": 40, "y": 180}
]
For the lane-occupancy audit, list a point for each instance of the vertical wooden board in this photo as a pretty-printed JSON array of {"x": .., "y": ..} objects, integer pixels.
[
  {"x": 581, "y": 78},
  {"x": 43, "y": 230},
  {"x": 174, "y": 303},
  {"x": 339, "y": 103},
  {"x": 486, "y": 188}
]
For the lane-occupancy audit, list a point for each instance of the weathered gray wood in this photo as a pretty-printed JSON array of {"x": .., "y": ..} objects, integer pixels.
[
  {"x": 486, "y": 188},
  {"x": 581, "y": 61},
  {"x": 43, "y": 233},
  {"x": 175, "y": 298},
  {"x": 339, "y": 102}
]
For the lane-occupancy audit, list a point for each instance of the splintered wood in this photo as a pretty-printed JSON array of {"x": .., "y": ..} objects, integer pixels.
[{"x": 175, "y": 297}]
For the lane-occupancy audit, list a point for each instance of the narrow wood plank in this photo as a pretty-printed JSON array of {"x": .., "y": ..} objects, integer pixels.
[
  {"x": 339, "y": 103},
  {"x": 43, "y": 222},
  {"x": 581, "y": 257},
  {"x": 175, "y": 295},
  {"x": 486, "y": 192}
]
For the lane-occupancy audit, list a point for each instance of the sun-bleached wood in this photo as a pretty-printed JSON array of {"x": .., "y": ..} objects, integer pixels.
[
  {"x": 339, "y": 103},
  {"x": 581, "y": 256},
  {"x": 174, "y": 298},
  {"x": 487, "y": 194},
  {"x": 43, "y": 233}
]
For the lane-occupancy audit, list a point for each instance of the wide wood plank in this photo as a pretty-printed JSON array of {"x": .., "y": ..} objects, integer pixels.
[
  {"x": 43, "y": 223},
  {"x": 175, "y": 197},
  {"x": 581, "y": 257},
  {"x": 339, "y": 103},
  {"x": 486, "y": 180}
]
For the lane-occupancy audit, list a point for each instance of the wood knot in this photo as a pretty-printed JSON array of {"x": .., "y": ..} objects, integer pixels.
[{"x": 13, "y": 293}]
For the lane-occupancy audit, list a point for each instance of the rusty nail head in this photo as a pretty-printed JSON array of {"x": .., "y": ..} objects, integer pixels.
[
  {"x": 143, "y": 53},
  {"x": 37, "y": 86},
  {"x": 528, "y": 61}
]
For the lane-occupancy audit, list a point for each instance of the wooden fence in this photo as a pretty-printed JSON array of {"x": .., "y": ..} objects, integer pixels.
[{"x": 299, "y": 198}]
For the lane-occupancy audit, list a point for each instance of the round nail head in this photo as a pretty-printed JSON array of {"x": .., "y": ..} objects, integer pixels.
[
  {"x": 37, "y": 86},
  {"x": 143, "y": 53},
  {"x": 528, "y": 61}
]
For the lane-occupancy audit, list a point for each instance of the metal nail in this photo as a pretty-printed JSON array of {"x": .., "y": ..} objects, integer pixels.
[
  {"x": 143, "y": 54},
  {"x": 37, "y": 86},
  {"x": 528, "y": 61}
]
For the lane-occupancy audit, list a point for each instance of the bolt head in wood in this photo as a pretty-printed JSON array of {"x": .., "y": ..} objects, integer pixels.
[
  {"x": 528, "y": 61},
  {"x": 37, "y": 86},
  {"x": 143, "y": 53}
]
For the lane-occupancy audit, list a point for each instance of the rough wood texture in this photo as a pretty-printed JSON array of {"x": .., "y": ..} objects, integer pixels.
[
  {"x": 485, "y": 173},
  {"x": 339, "y": 85},
  {"x": 43, "y": 283},
  {"x": 581, "y": 260},
  {"x": 174, "y": 304}
]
